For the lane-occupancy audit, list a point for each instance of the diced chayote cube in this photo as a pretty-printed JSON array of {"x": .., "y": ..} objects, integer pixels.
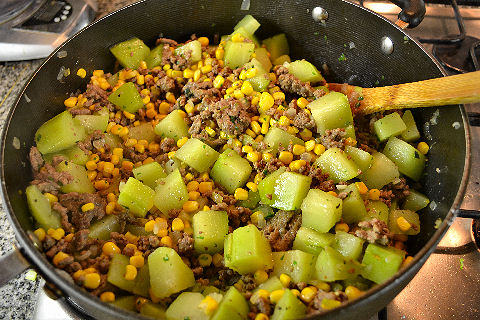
[
  {"x": 389, "y": 126},
  {"x": 238, "y": 53},
  {"x": 277, "y": 45},
  {"x": 144, "y": 131},
  {"x": 154, "y": 58},
  {"x": 168, "y": 273},
  {"x": 231, "y": 171},
  {"x": 381, "y": 172},
  {"x": 209, "y": 231},
  {"x": 41, "y": 210},
  {"x": 198, "y": 155},
  {"x": 348, "y": 245},
  {"x": 377, "y": 209},
  {"x": 129, "y": 53},
  {"x": 59, "y": 133},
  {"x": 249, "y": 23},
  {"x": 411, "y": 133},
  {"x": 415, "y": 201},
  {"x": 311, "y": 241},
  {"x": 380, "y": 263},
  {"x": 362, "y": 158},
  {"x": 336, "y": 163},
  {"x": 410, "y": 216},
  {"x": 195, "y": 48},
  {"x": 266, "y": 187},
  {"x": 277, "y": 137},
  {"x": 409, "y": 160},
  {"x": 74, "y": 154},
  {"x": 80, "y": 182},
  {"x": 289, "y": 307},
  {"x": 127, "y": 98},
  {"x": 149, "y": 173},
  {"x": 353, "y": 206},
  {"x": 331, "y": 111},
  {"x": 93, "y": 122},
  {"x": 153, "y": 310},
  {"x": 320, "y": 210},
  {"x": 101, "y": 229},
  {"x": 172, "y": 126},
  {"x": 186, "y": 306},
  {"x": 297, "y": 264},
  {"x": 331, "y": 265},
  {"x": 116, "y": 273},
  {"x": 290, "y": 190},
  {"x": 305, "y": 71},
  {"x": 170, "y": 193},
  {"x": 136, "y": 197},
  {"x": 126, "y": 303},
  {"x": 233, "y": 306}
]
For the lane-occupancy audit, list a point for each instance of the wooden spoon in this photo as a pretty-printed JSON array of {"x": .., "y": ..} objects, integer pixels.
[{"x": 457, "y": 89}]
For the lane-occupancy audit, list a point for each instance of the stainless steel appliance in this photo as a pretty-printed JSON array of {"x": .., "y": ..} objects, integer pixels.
[{"x": 31, "y": 29}]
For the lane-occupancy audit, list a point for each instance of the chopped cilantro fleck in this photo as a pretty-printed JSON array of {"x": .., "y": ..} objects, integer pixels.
[
  {"x": 461, "y": 263},
  {"x": 316, "y": 33},
  {"x": 166, "y": 258},
  {"x": 342, "y": 57},
  {"x": 294, "y": 262}
]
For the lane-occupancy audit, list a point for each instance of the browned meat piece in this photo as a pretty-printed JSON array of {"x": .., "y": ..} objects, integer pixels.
[
  {"x": 264, "y": 306},
  {"x": 303, "y": 120},
  {"x": 67, "y": 226},
  {"x": 73, "y": 201},
  {"x": 93, "y": 140},
  {"x": 398, "y": 190},
  {"x": 80, "y": 239},
  {"x": 374, "y": 230},
  {"x": 289, "y": 83},
  {"x": 166, "y": 84},
  {"x": 36, "y": 159},
  {"x": 232, "y": 116},
  {"x": 170, "y": 42},
  {"x": 185, "y": 244},
  {"x": 76, "y": 111},
  {"x": 49, "y": 180},
  {"x": 315, "y": 306},
  {"x": 200, "y": 90},
  {"x": 334, "y": 138},
  {"x": 281, "y": 230},
  {"x": 95, "y": 94}
]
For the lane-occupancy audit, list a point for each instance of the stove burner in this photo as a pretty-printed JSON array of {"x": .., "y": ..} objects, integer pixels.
[
  {"x": 457, "y": 57},
  {"x": 476, "y": 232},
  {"x": 9, "y": 9}
]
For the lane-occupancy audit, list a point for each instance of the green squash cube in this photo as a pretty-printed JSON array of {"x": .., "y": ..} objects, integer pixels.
[
  {"x": 247, "y": 250},
  {"x": 198, "y": 155},
  {"x": 238, "y": 53},
  {"x": 142, "y": 282},
  {"x": 266, "y": 187},
  {"x": 116, "y": 272},
  {"x": 136, "y": 197},
  {"x": 377, "y": 209},
  {"x": 168, "y": 273},
  {"x": 59, "y": 133},
  {"x": 409, "y": 160},
  {"x": 381, "y": 172},
  {"x": 415, "y": 201},
  {"x": 154, "y": 58},
  {"x": 290, "y": 190},
  {"x": 277, "y": 137},
  {"x": 297, "y": 264},
  {"x": 195, "y": 48},
  {"x": 362, "y": 159},
  {"x": 129, "y": 53},
  {"x": 353, "y": 208},
  {"x": 331, "y": 265},
  {"x": 233, "y": 306},
  {"x": 101, "y": 229},
  {"x": 336, "y": 163},
  {"x": 93, "y": 122},
  {"x": 289, "y": 307},
  {"x": 186, "y": 306},
  {"x": 389, "y": 126},
  {"x": 261, "y": 54},
  {"x": 126, "y": 303},
  {"x": 41, "y": 210},
  {"x": 348, "y": 245},
  {"x": 170, "y": 193},
  {"x": 251, "y": 202},
  {"x": 127, "y": 98},
  {"x": 172, "y": 126},
  {"x": 260, "y": 82},
  {"x": 209, "y": 231},
  {"x": 144, "y": 131},
  {"x": 153, "y": 310},
  {"x": 249, "y": 23},
  {"x": 74, "y": 154},
  {"x": 412, "y": 218},
  {"x": 331, "y": 111},
  {"x": 277, "y": 45},
  {"x": 411, "y": 133},
  {"x": 311, "y": 241},
  {"x": 149, "y": 173},
  {"x": 380, "y": 263},
  {"x": 80, "y": 182},
  {"x": 305, "y": 71},
  {"x": 273, "y": 283},
  {"x": 320, "y": 210},
  {"x": 231, "y": 171}
]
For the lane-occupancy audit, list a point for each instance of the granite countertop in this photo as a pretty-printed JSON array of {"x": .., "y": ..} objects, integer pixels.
[{"x": 19, "y": 296}]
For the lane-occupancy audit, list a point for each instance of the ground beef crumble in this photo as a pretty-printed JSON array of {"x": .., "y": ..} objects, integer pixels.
[
  {"x": 281, "y": 230},
  {"x": 374, "y": 230}
]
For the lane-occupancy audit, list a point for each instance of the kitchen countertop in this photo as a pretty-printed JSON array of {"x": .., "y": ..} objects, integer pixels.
[{"x": 19, "y": 296}]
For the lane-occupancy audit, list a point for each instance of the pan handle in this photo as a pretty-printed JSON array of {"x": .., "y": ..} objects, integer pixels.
[
  {"x": 11, "y": 265},
  {"x": 412, "y": 12}
]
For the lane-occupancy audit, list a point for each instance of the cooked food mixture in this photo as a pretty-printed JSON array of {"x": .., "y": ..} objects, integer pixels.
[{"x": 202, "y": 181}]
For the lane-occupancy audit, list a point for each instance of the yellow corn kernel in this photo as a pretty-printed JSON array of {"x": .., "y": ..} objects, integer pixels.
[
  {"x": 192, "y": 186},
  {"x": 167, "y": 241},
  {"x": 205, "y": 259},
  {"x": 266, "y": 102},
  {"x": 261, "y": 316},
  {"x": 88, "y": 206},
  {"x": 217, "y": 260},
  {"x": 260, "y": 276},
  {"x": 247, "y": 88},
  {"x": 40, "y": 233},
  {"x": 328, "y": 304},
  {"x": 238, "y": 94},
  {"x": 51, "y": 197},
  {"x": 276, "y": 295},
  {"x": 306, "y": 134},
  {"x": 252, "y": 186},
  {"x": 342, "y": 227},
  {"x": 302, "y": 102},
  {"x": 350, "y": 142},
  {"x": 130, "y": 272},
  {"x": 218, "y": 82},
  {"x": 189, "y": 177},
  {"x": 110, "y": 248},
  {"x": 204, "y": 41},
  {"x": 128, "y": 115},
  {"x": 70, "y": 102},
  {"x": 297, "y": 165},
  {"x": 107, "y": 296},
  {"x": 307, "y": 294},
  {"x": 58, "y": 234},
  {"x": 211, "y": 132},
  {"x": 250, "y": 73},
  {"x": 285, "y": 279},
  {"x": 69, "y": 237},
  {"x": 92, "y": 175},
  {"x": 295, "y": 292},
  {"x": 353, "y": 292},
  {"x": 127, "y": 165},
  {"x": 101, "y": 184},
  {"x": 140, "y": 79},
  {"x": 149, "y": 225},
  {"x": 206, "y": 69},
  {"x": 403, "y": 224},
  {"x": 110, "y": 126},
  {"x": 279, "y": 95},
  {"x": 309, "y": 145},
  {"x": 292, "y": 130},
  {"x": 272, "y": 76},
  {"x": 188, "y": 73},
  {"x": 362, "y": 188},
  {"x": 241, "y": 194},
  {"x": 182, "y": 141},
  {"x": 238, "y": 38},
  {"x": 193, "y": 195},
  {"x": 176, "y": 74},
  {"x": 230, "y": 90},
  {"x": 399, "y": 245},
  {"x": 284, "y": 121},
  {"x": 190, "y": 206},
  {"x": 247, "y": 149},
  {"x": 423, "y": 147},
  {"x": 131, "y": 237},
  {"x": 219, "y": 53},
  {"x": 208, "y": 305},
  {"x": 92, "y": 280},
  {"x": 286, "y": 157},
  {"x": 81, "y": 73},
  {"x": 205, "y": 187},
  {"x": 177, "y": 224},
  {"x": 298, "y": 149},
  {"x": 242, "y": 75},
  {"x": 256, "y": 127},
  {"x": 319, "y": 149},
  {"x": 137, "y": 261},
  {"x": 170, "y": 97},
  {"x": 110, "y": 207},
  {"x": 253, "y": 156},
  {"x": 108, "y": 168},
  {"x": 266, "y": 156},
  {"x": 59, "y": 257},
  {"x": 257, "y": 178},
  {"x": 333, "y": 193},
  {"x": 374, "y": 194},
  {"x": 407, "y": 261},
  {"x": 255, "y": 101}
]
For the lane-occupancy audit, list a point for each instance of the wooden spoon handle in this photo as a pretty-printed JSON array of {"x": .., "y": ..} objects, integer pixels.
[{"x": 457, "y": 89}]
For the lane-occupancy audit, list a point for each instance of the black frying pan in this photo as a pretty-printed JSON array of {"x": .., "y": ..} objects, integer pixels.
[{"x": 350, "y": 30}]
